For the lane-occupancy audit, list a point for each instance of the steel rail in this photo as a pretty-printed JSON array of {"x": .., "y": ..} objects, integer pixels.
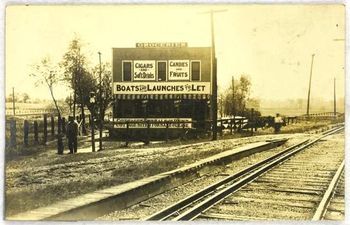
[
  {"x": 169, "y": 211},
  {"x": 195, "y": 211},
  {"x": 322, "y": 207}
]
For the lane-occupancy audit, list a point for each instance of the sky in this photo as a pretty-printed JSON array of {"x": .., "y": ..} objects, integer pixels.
[{"x": 272, "y": 44}]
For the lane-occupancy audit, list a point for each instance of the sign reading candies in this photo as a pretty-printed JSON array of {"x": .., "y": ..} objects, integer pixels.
[
  {"x": 179, "y": 70},
  {"x": 144, "y": 70}
]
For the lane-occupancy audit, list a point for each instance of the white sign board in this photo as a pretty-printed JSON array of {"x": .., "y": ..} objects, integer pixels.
[
  {"x": 162, "y": 88},
  {"x": 161, "y": 45},
  {"x": 144, "y": 70},
  {"x": 179, "y": 70},
  {"x": 154, "y": 122}
]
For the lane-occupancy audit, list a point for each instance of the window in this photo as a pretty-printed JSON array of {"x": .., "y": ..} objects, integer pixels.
[
  {"x": 161, "y": 71},
  {"x": 126, "y": 71},
  {"x": 196, "y": 70}
]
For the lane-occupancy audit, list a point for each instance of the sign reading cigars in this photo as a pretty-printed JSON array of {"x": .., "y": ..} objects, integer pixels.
[
  {"x": 154, "y": 122},
  {"x": 162, "y": 88},
  {"x": 179, "y": 70},
  {"x": 144, "y": 70}
]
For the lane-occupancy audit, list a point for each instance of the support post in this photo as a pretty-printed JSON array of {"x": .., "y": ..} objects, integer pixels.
[
  {"x": 52, "y": 125},
  {"x": 252, "y": 121},
  {"x": 221, "y": 127},
  {"x": 127, "y": 134},
  {"x": 101, "y": 105},
  {"x": 36, "y": 133},
  {"x": 45, "y": 129},
  {"x": 25, "y": 132},
  {"x": 13, "y": 131},
  {"x": 148, "y": 130},
  {"x": 92, "y": 133},
  {"x": 167, "y": 132}
]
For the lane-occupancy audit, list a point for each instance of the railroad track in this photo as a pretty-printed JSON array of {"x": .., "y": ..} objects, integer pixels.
[{"x": 210, "y": 203}]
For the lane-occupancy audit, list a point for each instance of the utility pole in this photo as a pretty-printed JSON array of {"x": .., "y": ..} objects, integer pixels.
[
  {"x": 100, "y": 96},
  {"x": 335, "y": 100},
  {"x": 70, "y": 103},
  {"x": 233, "y": 97},
  {"x": 214, "y": 96},
  {"x": 308, "y": 94},
  {"x": 13, "y": 101}
]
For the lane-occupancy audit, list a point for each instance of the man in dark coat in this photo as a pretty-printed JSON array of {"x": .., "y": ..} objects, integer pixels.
[
  {"x": 72, "y": 135},
  {"x": 278, "y": 123}
]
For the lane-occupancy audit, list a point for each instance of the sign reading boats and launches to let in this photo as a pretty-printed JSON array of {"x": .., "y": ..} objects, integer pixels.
[
  {"x": 161, "y": 88},
  {"x": 179, "y": 70},
  {"x": 144, "y": 70}
]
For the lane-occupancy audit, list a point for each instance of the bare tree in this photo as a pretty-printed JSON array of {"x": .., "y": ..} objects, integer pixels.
[
  {"x": 75, "y": 70},
  {"x": 237, "y": 105},
  {"x": 107, "y": 96},
  {"x": 46, "y": 73},
  {"x": 25, "y": 97}
]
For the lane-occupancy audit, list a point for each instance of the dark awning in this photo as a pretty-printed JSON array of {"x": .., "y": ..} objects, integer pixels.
[{"x": 163, "y": 96}]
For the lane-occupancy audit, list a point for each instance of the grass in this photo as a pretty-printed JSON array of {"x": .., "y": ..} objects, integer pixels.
[{"x": 108, "y": 168}]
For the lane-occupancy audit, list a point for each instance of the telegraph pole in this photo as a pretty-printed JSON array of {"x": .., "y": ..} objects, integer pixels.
[
  {"x": 233, "y": 97},
  {"x": 335, "y": 99},
  {"x": 214, "y": 96},
  {"x": 214, "y": 103},
  {"x": 100, "y": 96},
  {"x": 13, "y": 101},
  {"x": 308, "y": 95}
]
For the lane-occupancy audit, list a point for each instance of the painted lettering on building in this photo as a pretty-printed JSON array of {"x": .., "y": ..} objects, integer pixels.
[
  {"x": 179, "y": 70},
  {"x": 144, "y": 70},
  {"x": 161, "y": 45},
  {"x": 153, "y": 122},
  {"x": 162, "y": 88}
]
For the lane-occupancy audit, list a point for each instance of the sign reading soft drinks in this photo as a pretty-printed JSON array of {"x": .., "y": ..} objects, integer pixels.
[
  {"x": 179, "y": 70},
  {"x": 144, "y": 70}
]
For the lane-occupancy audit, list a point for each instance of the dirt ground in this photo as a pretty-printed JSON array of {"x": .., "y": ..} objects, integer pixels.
[{"x": 44, "y": 178}]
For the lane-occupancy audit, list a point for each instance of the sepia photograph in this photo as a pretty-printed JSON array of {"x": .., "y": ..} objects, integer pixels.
[{"x": 174, "y": 112}]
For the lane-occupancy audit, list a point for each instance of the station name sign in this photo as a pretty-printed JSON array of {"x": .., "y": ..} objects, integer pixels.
[
  {"x": 162, "y": 45},
  {"x": 154, "y": 122},
  {"x": 162, "y": 88}
]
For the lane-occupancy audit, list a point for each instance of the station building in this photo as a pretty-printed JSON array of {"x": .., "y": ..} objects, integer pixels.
[{"x": 162, "y": 82}]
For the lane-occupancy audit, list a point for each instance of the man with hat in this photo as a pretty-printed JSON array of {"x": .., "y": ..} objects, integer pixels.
[
  {"x": 278, "y": 122},
  {"x": 72, "y": 135}
]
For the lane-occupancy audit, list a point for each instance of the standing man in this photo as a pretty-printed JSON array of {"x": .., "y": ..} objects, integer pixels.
[
  {"x": 278, "y": 121},
  {"x": 72, "y": 135}
]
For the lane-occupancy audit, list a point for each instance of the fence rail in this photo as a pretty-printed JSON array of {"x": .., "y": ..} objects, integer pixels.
[
  {"x": 22, "y": 131},
  {"x": 323, "y": 115},
  {"x": 28, "y": 112}
]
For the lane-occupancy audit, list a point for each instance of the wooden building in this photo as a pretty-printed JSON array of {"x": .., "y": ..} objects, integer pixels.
[{"x": 166, "y": 85}]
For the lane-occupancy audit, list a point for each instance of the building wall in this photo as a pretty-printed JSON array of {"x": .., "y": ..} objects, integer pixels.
[{"x": 162, "y": 54}]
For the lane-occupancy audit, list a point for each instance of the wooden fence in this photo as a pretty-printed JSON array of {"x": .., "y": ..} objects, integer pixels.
[
  {"x": 321, "y": 116},
  {"x": 30, "y": 132}
]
